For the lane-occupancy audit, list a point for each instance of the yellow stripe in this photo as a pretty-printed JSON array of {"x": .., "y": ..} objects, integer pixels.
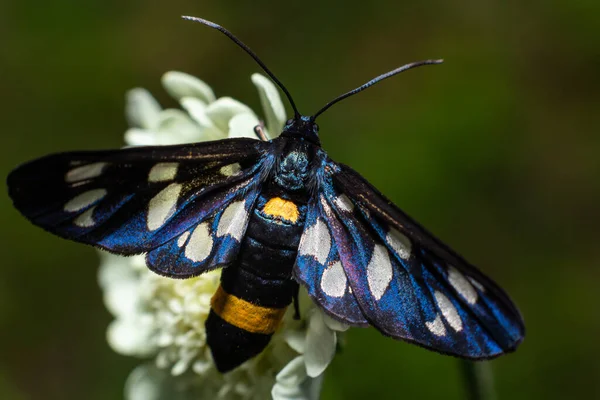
[{"x": 245, "y": 315}]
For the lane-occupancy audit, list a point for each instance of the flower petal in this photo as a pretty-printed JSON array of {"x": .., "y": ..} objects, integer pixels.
[
  {"x": 121, "y": 298},
  {"x": 147, "y": 382},
  {"x": 114, "y": 269},
  {"x": 296, "y": 339},
  {"x": 292, "y": 383},
  {"x": 293, "y": 374},
  {"x": 141, "y": 137},
  {"x": 197, "y": 110},
  {"x": 335, "y": 324},
  {"x": 225, "y": 108},
  {"x": 131, "y": 337},
  {"x": 179, "y": 84},
  {"x": 141, "y": 109},
  {"x": 242, "y": 125},
  {"x": 320, "y": 345},
  {"x": 177, "y": 127},
  {"x": 270, "y": 100}
]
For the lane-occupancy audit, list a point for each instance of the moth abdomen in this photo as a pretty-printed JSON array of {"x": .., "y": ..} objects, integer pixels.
[{"x": 258, "y": 287}]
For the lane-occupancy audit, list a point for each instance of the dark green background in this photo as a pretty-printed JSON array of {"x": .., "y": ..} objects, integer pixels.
[{"x": 497, "y": 151}]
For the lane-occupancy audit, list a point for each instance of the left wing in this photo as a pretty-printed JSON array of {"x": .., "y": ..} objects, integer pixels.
[
  {"x": 407, "y": 283},
  {"x": 170, "y": 201}
]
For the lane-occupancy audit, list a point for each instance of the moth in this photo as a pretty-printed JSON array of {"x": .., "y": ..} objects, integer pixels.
[{"x": 273, "y": 214}]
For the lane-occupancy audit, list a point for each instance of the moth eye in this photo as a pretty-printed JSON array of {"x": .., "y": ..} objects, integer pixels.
[
  {"x": 289, "y": 121},
  {"x": 315, "y": 128}
]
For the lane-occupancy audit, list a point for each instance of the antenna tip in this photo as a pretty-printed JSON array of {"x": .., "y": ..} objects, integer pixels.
[
  {"x": 201, "y": 20},
  {"x": 438, "y": 61}
]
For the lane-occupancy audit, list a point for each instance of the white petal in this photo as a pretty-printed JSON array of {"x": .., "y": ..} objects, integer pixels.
[
  {"x": 200, "y": 367},
  {"x": 179, "y": 84},
  {"x": 335, "y": 324},
  {"x": 225, "y": 108},
  {"x": 275, "y": 115},
  {"x": 121, "y": 298},
  {"x": 144, "y": 383},
  {"x": 293, "y": 384},
  {"x": 141, "y": 137},
  {"x": 147, "y": 382},
  {"x": 320, "y": 345},
  {"x": 242, "y": 125},
  {"x": 311, "y": 388},
  {"x": 296, "y": 339},
  {"x": 131, "y": 338},
  {"x": 197, "y": 110},
  {"x": 292, "y": 374},
  {"x": 114, "y": 269},
  {"x": 178, "y": 128},
  {"x": 141, "y": 109}
]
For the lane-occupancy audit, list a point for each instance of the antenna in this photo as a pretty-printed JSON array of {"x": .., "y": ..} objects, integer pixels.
[
  {"x": 250, "y": 52},
  {"x": 374, "y": 81}
]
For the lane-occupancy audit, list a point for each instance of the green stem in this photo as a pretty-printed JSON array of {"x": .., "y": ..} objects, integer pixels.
[{"x": 479, "y": 382}]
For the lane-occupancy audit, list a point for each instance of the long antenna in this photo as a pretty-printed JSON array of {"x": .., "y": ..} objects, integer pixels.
[
  {"x": 250, "y": 52},
  {"x": 374, "y": 81}
]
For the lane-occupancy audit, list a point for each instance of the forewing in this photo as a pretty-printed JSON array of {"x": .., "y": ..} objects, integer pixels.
[
  {"x": 408, "y": 284},
  {"x": 133, "y": 200}
]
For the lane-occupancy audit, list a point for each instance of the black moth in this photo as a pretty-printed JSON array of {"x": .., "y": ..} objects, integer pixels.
[{"x": 273, "y": 214}]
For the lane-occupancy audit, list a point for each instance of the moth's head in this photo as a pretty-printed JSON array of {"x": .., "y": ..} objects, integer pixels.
[{"x": 302, "y": 127}]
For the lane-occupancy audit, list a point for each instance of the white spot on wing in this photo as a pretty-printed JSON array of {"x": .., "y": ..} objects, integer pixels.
[
  {"x": 200, "y": 244},
  {"x": 85, "y": 172},
  {"x": 233, "y": 220},
  {"x": 399, "y": 243},
  {"x": 333, "y": 280},
  {"x": 183, "y": 238},
  {"x": 462, "y": 285},
  {"x": 344, "y": 203},
  {"x": 379, "y": 271},
  {"x": 162, "y": 206},
  {"x": 448, "y": 311},
  {"x": 316, "y": 241},
  {"x": 478, "y": 285},
  {"x": 86, "y": 219},
  {"x": 163, "y": 172},
  {"x": 84, "y": 200},
  {"x": 231, "y": 170},
  {"x": 436, "y": 326}
]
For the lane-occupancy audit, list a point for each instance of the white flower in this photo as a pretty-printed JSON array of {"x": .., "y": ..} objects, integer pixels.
[
  {"x": 162, "y": 318},
  {"x": 203, "y": 116}
]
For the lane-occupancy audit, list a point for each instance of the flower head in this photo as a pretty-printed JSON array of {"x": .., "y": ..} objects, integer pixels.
[{"x": 163, "y": 318}]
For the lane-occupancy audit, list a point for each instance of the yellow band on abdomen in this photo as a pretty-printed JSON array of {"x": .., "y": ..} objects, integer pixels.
[{"x": 245, "y": 315}]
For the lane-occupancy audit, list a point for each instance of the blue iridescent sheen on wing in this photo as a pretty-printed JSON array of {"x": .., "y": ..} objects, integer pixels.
[
  {"x": 408, "y": 288},
  {"x": 318, "y": 267},
  {"x": 211, "y": 243},
  {"x": 132, "y": 200}
]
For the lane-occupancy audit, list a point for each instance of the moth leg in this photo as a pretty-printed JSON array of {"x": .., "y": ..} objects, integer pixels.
[
  {"x": 296, "y": 303},
  {"x": 259, "y": 130}
]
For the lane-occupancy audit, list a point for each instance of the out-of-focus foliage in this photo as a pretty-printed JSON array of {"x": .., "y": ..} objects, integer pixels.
[{"x": 497, "y": 151}]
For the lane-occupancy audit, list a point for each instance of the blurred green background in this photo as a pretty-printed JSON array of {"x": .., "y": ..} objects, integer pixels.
[{"x": 497, "y": 151}]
